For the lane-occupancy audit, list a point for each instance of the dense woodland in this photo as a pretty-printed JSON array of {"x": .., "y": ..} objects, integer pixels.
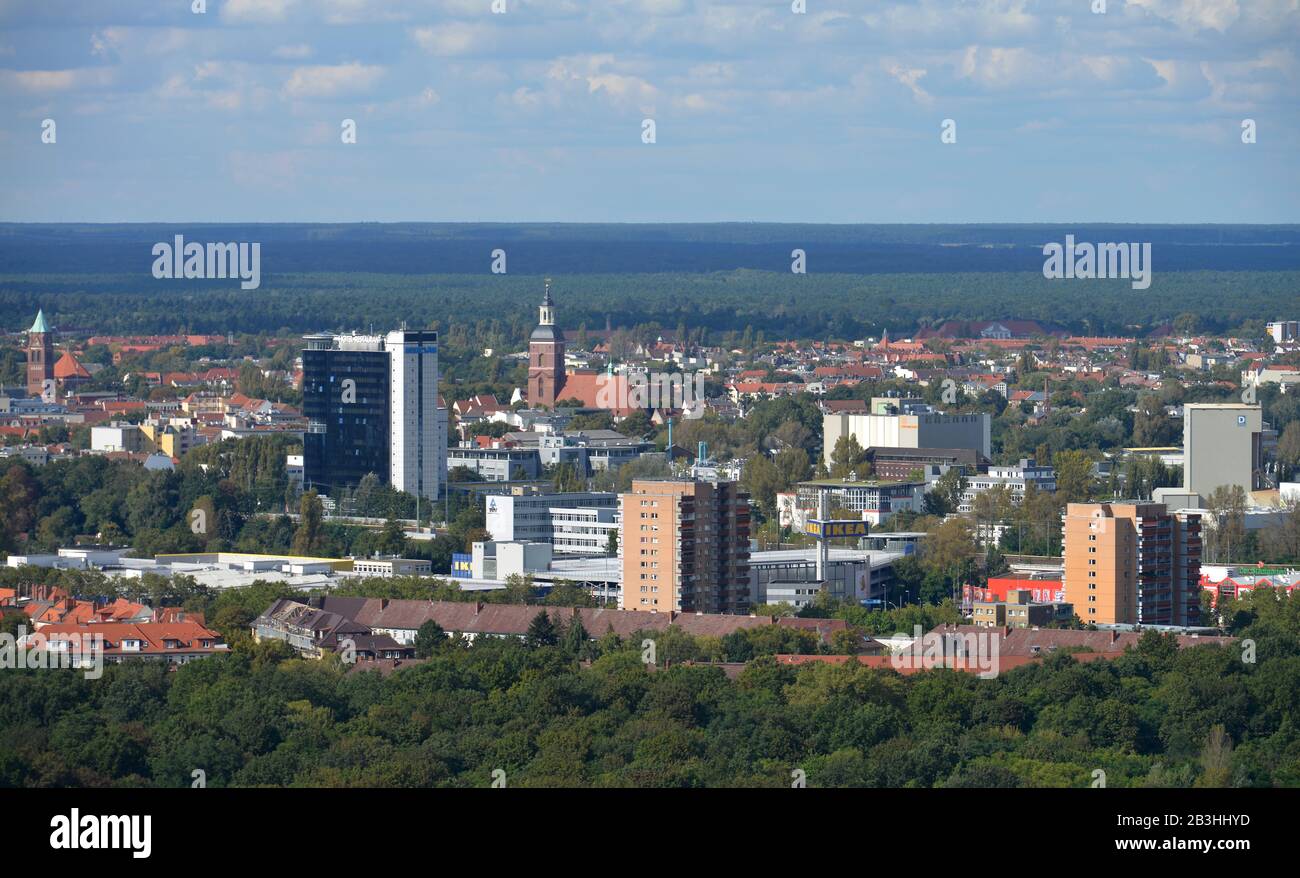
[
  {"x": 1206, "y": 716},
  {"x": 781, "y": 304},
  {"x": 719, "y": 278}
]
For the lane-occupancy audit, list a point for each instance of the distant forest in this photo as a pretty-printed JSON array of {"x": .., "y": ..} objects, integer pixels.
[{"x": 722, "y": 278}]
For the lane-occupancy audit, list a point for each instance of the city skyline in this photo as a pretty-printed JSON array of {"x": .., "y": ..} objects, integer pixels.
[{"x": 896, "y": 395}]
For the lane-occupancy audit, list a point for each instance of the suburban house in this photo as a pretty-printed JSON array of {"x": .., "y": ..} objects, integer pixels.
[{"x": 174, "y": 642}]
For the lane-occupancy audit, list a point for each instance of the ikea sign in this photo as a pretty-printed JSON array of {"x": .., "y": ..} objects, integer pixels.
[{"x": 829, "y": 530}]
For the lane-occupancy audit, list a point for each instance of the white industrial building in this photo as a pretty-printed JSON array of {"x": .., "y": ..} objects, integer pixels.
[
  {"x": 851, "y": 574},
  {"x": 117, "y": 436},
  {"x": 575, "y": 523},
  {"x": 921, "y": 430}
]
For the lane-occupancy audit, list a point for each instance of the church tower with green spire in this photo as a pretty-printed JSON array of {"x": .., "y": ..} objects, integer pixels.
[{"x": 40, "y": 357}]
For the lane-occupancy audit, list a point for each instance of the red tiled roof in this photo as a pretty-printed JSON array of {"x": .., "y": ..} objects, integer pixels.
[
  {"x": 597, "y": 390},
  {"x": 68, "y": 367},
  {"x": 514, "y": 619},
  {"x": 907, "y": 668},
  {"x": 69, "y": 611},
  {"x": 154, "y": 637},
  {"x": 1036, "y": 641}
]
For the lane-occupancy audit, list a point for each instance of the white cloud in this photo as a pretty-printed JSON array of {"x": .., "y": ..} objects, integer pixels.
[
  {"x": 1193, "y": 15},
  {"x": 102, "y": 44},
  {"x": 404, "y": 106},
  {"x": 456, "y": 38},
  {"x": 295, "y": 52},
  {"x": 46, "y": 81},
  {"x": 1000, "y": 67},
  {"x": 591, "y": 71},
  {"x": 325, "y": 81},
  {"x": 910, "y": 77},
  {"x": 257, "y": 11},
  {"x": 699, "y": 103}
]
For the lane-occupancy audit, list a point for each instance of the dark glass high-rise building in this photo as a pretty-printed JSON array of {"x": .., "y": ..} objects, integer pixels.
[{"x": 345, "y": 397}]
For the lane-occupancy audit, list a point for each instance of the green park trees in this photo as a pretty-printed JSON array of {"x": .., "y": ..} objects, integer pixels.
[{"x": 562, "y": 708}]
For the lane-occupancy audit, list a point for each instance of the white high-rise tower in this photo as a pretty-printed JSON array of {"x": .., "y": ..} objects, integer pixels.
[{"x": 417, "y": 453}]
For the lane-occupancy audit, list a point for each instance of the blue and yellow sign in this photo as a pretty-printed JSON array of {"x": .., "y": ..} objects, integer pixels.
[{"x": 830, "y": 530}]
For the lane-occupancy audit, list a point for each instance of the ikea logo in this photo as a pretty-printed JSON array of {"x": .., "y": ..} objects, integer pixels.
[{"x": 828, "y": 530}]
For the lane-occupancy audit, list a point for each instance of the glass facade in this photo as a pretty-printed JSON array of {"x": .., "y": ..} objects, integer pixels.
[{"x": 348, "y": 433}]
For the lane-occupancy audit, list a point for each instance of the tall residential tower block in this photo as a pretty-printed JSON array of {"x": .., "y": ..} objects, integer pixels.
[
  {"x": 684, "y": 546},
  {"x": 1133, "y": 563}
]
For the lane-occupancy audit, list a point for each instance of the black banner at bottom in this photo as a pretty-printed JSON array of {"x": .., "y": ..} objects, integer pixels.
[{"x": 176, "y": 826}]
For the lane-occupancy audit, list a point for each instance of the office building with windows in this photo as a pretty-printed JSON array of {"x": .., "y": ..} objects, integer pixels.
[
  {"x": 575, "y": 522},
  {"x": 417, "y": 433},
  {"x": 371, "y": 404},
  {"x": 345, "y": 392}
]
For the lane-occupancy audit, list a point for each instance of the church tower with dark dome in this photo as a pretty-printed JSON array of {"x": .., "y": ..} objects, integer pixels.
[{"x": 545, "y": 357}]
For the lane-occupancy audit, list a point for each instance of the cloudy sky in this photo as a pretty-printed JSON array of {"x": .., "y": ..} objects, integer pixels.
[{"x": 761, "y": 114}]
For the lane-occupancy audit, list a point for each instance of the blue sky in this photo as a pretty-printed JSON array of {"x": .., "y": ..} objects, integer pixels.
[{"x": 762, "y": 114}]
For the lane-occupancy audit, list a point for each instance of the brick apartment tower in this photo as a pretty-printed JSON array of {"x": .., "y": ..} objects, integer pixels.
[
  {"x": 40, "y": 356},
  {"x": 685, "y": 547},
  {"x": 1133, "y": 563},
  {"x": 545, "y": 357}
]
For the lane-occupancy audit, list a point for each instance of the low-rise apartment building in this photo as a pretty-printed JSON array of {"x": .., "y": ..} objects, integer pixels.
[
  {"x": 1020, "y": 610},
  {"x": 1015, "y": 478}
]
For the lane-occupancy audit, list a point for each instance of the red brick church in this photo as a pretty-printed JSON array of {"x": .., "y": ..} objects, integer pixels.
[
  {"x": 48, "y": 378},
  {"x": 40, "y": 357},
  {"x": 549, "y": 382}
]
